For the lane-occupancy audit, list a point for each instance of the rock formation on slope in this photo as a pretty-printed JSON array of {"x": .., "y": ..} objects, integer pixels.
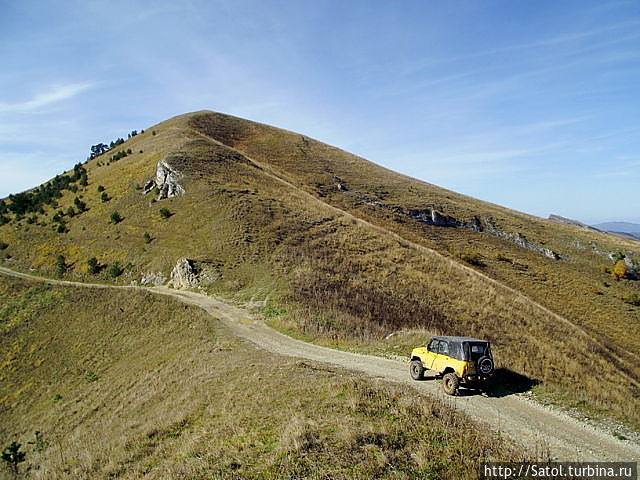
[{"x": 166, "y": 181}]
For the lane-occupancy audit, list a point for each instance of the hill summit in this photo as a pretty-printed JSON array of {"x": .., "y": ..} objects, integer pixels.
[{"x": 343, "y": 251}]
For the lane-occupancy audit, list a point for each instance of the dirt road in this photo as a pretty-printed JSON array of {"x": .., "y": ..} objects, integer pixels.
[{"x": 536, "y": 427}]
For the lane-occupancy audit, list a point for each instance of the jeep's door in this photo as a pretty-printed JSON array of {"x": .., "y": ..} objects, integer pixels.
[
  {"x": 441, "y": 359},
  {"x": 430, "y": 355}
]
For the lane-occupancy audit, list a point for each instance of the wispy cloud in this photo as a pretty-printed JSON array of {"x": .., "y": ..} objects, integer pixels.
[{"x": 53, "y": 95}]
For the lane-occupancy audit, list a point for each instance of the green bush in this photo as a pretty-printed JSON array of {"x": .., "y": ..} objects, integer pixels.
[
  {"x": 93, "y": 266},
  {"x": 12, "y": 456},
  {"x": 61, "y": 266},
  {"x": 115, "y": 270},
  {"x": 116, "y": 217},
  {"x": 39, "y": 443},
  {"x": 105, "y": 197},
  {"x": 147, "y": 237},
  {"x": 3, "y": 245},
  {"x": 271, "y": 312},
  {"x": 80, "y": 205},
  {"x": 165, "y": 213},
  {"x": 100, "y": 188}
]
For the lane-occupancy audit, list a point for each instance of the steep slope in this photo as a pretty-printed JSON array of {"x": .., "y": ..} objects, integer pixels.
[{"x": 353, "y": 252}]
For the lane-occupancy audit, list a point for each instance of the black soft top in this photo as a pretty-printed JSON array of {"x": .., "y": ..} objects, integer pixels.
[
  {"x": 463, "y": 348},
  {"x": 459, "y": 339}
]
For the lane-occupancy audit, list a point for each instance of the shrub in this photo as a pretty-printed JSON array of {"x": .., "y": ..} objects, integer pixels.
[
  {"x": 165, "y": 213},
  {"x": 271, "y": 312},
  {"x": 104, "y": 197},
  {"x": 61, "y": 266},
  {"x": 115, "y": 270},
  {"x": 93, "y": 266},
  {"x": 620, "y": 270},
  {"x": 147, "y": 237},
  {"x": 80, "y": 205},
  {"x": 12, "y": 456},
  {"x": 3, "y": 245},
  {"x": 116, "y": 217},
  {"x": 71, "y": 212},
  {"x": 40, "y": 444},
  {"x": 153, "y": 132},
  {"x": 100, "y": 188}
]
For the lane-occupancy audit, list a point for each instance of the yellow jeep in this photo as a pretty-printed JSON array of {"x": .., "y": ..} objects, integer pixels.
[{"x": 460, "y": 360}]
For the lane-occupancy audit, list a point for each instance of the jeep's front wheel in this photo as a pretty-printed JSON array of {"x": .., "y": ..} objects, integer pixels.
[
  {"x": 416, "y": 369},
  {"x": 450, "y": 384}
]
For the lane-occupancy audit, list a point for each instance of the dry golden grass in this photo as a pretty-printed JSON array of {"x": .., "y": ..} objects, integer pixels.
[
  {"x": 128, "y": 385},
  {"x": 269, "y": 214}
]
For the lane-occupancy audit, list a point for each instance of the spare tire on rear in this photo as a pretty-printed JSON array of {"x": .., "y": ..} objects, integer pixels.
[{"x": 485, "y": 365}]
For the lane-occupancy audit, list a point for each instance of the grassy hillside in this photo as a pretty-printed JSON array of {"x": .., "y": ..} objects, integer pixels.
[
  {"x": 335, "y": 242},
  {"x": 125, "y": 384}
]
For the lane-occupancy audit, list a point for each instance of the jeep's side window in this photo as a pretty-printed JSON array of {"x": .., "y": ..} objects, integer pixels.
[{"x": 433, "y": 346}]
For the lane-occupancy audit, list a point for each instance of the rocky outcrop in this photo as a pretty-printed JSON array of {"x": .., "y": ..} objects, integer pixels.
[
  {"x": 194, "y": 274},
  {"x": 519, "y": 239},
  {"x": 149, "y": 186},
  {"x": 428, "y": 216},
  {"x": 183, "y": 275},
  {"x": 433, "y": 217},
  {"x": 155, "y": 279},
  {"x": 166, "y": 181}
]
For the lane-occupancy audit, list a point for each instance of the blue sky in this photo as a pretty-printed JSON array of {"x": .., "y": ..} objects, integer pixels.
[{"x": 534, "y": 105}]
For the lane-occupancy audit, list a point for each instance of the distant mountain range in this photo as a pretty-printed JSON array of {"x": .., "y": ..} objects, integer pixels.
[
  {"x": 624, "y": 229},
  {"x": 629, "y": 228}
]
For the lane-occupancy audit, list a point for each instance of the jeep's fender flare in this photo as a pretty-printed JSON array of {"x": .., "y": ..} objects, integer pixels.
[{"x": 448, "y": 370}]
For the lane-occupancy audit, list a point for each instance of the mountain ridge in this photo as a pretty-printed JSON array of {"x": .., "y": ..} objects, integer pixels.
[{"x": 332, "y": 243}]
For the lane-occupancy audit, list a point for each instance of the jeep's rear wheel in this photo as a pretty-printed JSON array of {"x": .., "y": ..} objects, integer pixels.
[
  {"x": 416, "y": 369},
  {"x": 450, "y": 384}
]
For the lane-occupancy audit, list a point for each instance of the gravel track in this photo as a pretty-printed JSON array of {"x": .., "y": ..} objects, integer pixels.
[{"x": 536, "y": 427}]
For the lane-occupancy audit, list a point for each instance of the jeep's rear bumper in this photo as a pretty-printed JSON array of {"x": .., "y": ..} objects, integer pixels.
[{"x": 475, "y": 378}]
